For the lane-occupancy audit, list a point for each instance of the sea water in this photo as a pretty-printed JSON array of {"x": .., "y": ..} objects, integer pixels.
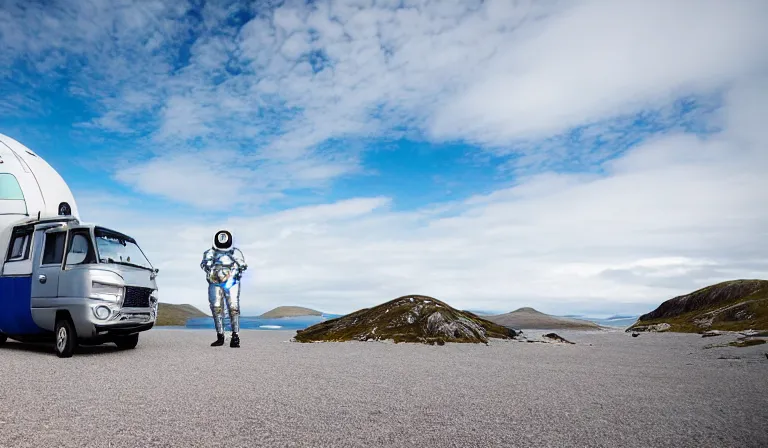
[
  {"x": 258, "y": 323},
  {"x": 612, "y": 322}
]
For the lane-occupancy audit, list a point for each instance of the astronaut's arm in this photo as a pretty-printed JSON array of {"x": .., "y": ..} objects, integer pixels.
[
  {"x": 240, "y": 260},
  {"x": 207, "y": 261}
]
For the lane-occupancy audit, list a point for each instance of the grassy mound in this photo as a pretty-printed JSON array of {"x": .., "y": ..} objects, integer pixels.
[
  {"x": 411, "y": 318},
  {"x": 729, "y": 306}
]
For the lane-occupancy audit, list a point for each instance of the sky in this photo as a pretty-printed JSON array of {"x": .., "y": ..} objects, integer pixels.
[{"x": 578, "y": 157}]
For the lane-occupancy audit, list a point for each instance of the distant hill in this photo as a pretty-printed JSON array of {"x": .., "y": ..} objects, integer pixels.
[
  {"x": 735, "y": 305},
  {"x": 290, "y": 311},
  {"x": 411, "y": 318},
  {"x": 169, "y": 314},
  {"x": 529, "y": 318}
]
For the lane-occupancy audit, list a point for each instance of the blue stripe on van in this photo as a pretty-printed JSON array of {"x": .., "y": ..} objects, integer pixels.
[{"x": 16, "y": 306}]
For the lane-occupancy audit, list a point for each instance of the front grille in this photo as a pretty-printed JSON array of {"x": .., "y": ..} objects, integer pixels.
[{"x": 136, "y": 297}]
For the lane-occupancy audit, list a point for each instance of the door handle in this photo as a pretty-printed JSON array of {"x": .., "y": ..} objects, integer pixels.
[{"x": 42, "y": 278}]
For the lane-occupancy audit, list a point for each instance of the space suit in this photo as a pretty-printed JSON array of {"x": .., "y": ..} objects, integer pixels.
[{"x": 224, "y": 264}]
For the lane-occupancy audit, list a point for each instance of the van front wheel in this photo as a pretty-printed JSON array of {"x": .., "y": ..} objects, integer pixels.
[
  {"x": 127, "y": 342},
  {"x": 66, "y": 338}
]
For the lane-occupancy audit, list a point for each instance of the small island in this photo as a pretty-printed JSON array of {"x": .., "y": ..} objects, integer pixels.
[{"x": 289, "y": 311}]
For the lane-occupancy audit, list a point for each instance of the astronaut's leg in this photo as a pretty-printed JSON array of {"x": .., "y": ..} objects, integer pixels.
[
  {"x": 216, "y": 300},
  {"x": 233, "y": 304}
]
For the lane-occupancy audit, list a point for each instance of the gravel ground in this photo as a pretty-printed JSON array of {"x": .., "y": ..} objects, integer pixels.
[{"x": 659, "y": 390}]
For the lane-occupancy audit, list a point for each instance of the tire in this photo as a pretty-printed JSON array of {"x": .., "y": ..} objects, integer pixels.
[
  {"x": 3, "y": 338},
  {"x": 66, "y": 338},
  {"x": 127, "y": 342}
]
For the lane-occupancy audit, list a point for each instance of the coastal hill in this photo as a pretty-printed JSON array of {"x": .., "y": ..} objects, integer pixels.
[
  {"x": 735, "y": 305},
  {"x": 411, "y": 318},
  {"x": 169, "y": 314},
  {"x": 290, "y": 311},
  {"x": 529, "y": 318}
]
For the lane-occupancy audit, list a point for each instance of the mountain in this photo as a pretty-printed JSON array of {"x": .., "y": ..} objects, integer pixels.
[
  {"x": 735, "y": 305},
  {"x": 412, "y": 318},
  {"x": 169, "y": 314},
  {"x": 290, "y": 311},
  {"x": 529, "y": 318}
]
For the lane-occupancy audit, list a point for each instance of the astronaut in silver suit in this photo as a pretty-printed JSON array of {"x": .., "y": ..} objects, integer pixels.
[{"x": 224, "y": 265}]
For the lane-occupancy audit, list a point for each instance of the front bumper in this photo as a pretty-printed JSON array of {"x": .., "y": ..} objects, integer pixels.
[
  {"x": 123, "y": 328},
  {"x": 94, "y": 318},
  {"x": 122, "y": 318},
  {"x": 119, "y": 321}
]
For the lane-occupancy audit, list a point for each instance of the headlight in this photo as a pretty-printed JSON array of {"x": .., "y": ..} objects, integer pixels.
[
  {"x": 107, "y": 291},
  {"x": 102, "y": 312}
]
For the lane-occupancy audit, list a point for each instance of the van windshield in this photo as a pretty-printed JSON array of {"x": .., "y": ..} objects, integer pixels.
[{"x": 114, "y": 247}]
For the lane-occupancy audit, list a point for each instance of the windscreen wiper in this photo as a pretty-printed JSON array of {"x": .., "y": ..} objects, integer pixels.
[{"x": 126, "y": 263}]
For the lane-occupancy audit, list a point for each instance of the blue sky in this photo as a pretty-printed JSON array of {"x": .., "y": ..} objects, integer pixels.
[{"x": 578, "y": 158}]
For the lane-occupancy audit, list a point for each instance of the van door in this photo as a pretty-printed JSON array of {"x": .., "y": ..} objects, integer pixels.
[
  {"x": 47, "y": 265},
  {"x": 16, "y": 283}
]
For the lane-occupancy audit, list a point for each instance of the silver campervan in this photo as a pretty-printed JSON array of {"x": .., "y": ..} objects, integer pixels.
[{"x": 72, "y": 284}]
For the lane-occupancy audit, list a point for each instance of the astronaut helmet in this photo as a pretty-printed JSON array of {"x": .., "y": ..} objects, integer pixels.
[{"x": 222, "y": 240}]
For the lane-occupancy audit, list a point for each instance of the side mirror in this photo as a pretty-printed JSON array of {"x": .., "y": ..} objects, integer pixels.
[{"x": 154, "y": 274}]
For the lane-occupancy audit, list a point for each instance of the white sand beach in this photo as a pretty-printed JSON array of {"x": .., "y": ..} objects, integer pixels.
[{"x": 173, "y": 390}]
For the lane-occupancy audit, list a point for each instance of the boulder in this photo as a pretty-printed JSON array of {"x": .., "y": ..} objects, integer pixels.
[
  {"x": 712, "y": 333},
  {"x": 556, "y": 337}
]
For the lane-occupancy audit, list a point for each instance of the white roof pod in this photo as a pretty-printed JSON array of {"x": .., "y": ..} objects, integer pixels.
[{"x": 28, "y": 185}]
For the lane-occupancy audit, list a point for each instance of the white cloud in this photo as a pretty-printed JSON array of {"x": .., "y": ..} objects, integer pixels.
[
  {"x": 493, "y": 72},
  {"x": 602, "y": 59}
]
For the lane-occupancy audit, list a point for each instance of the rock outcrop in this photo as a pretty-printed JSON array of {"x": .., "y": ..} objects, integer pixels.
[
  {"x": 412, "y": 318},
  {"x": 557, "y": 338},
  {"x": 729, "y": 306},
  {"x": 655, "y": 328}
]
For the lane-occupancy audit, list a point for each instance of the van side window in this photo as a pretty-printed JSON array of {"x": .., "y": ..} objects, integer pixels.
[
  {"x": 53, "y": 252},
  {"x": 80, "y": 248},
  {"x": 19, "y": 248}
]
